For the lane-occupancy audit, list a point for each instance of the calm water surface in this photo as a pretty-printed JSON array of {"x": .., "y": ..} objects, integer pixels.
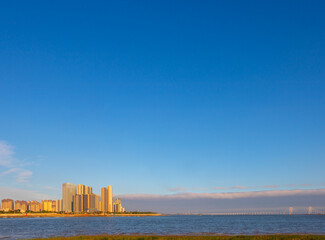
[{"x": 15, "y": 228}]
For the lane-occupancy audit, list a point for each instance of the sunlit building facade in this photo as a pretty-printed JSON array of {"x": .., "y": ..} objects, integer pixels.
[
  {"x": 104, "y": 199},
  {"x": 110, "y": 198},
  {"x": 69, "y": 190},
  {"x": 48, "y": 205},
  {"x": 78, "y": 203},
  {"x": 117, "y": 206},
  {"x": 59, "y": 205},
  {"x": 34, "y": 206},
  {"x": 7, "y": 205},
  {"x": 83, "y": 189},
  {"x": 21, "y": 206}
]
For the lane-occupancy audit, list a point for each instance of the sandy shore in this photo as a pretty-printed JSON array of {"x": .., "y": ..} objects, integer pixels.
[{"x": 37, "y": 215}]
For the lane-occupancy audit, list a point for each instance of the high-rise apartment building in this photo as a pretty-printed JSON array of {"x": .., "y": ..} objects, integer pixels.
[
  {"x": 110, "y": 199},
  {"x": 107, "y": 199},
  {"x": 33, "y": 206},
  {"x": 78, "y": 203},
  {"x": 69, "y": 190},
  {"x": 117, "y": 205},
  {"x": 91, "y": 202},
  {"x": 104, "y": 199},
  {"x": 48, "y": 205},
  {"x": 21, "y": 205},
  {"x": 59, "y": 205},
  {"x": 97, "y": 206},
  {"x": 81, "y": 189},
  {"x": 7, "y": 205},
  {"x": 54, "y": 206},
  {"x": 88, "y": 190}
]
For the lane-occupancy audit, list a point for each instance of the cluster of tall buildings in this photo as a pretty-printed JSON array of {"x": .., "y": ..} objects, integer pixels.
[{"x": 76, "y": 199}]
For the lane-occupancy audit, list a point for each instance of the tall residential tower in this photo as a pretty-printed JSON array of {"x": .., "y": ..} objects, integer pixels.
[
  {"x": 104, "y": 199},
  {"x": 110, "y": 198},
  {"x": 69, "y": 190},
  {"x": 107, "y": 199}
]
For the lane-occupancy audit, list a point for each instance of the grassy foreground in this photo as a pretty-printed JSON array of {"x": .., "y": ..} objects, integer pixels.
[{"x": 239, "y": 237}]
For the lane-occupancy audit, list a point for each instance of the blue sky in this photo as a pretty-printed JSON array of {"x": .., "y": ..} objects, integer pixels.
[{"x": 162, "y": 97}]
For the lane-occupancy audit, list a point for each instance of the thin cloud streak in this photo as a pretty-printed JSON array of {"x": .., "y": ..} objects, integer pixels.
[
  {"x": 181, "y": 189},
  {"x": 22, "y": 175},
  {"x": 6, "y": 155},
  {"x": 264, "y": 186},
  {"x": 227, "y": 195},
  {"x": 12, "y": 165}
]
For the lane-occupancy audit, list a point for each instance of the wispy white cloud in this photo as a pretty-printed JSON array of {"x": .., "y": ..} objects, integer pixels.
[
  {"x": 264, "y": 186},
  {"x": 178, "y": 189},
  {"x": 22, "y": 175},
  {"x": 6, "y": 155},
  {"x": 12, "y": 165},
  {"x": 228, "y": 188},
  {"x": 181, "y": 189},
  {"x": 228, "y": 195}
]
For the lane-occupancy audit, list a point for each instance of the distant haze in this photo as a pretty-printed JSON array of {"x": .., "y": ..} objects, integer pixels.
[{"x": 263, "y": 202}]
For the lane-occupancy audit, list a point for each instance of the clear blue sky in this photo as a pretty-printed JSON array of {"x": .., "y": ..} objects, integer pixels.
[{"x": 153, "y": 96}]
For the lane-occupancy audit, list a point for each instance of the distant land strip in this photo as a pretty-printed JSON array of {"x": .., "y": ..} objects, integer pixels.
[
  {"x": 198, "y": 237},
  {"x": 37, "y": 215}
]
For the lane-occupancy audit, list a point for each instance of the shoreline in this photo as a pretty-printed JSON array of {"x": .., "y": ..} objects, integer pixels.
[
  {"x": 212, "y": 236},
  {"x": 63, "y": 215}
]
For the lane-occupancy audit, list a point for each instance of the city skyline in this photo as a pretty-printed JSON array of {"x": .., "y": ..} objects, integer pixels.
[{"x": 75, "y": 199}]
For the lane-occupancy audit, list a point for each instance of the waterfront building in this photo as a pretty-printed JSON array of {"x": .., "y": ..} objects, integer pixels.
[
  {"x": 97, "y": 205},
  {"x": 91, "y": 202},
  {"x": 88, "y": 190},
  {"x": 104, "y": 199},
  {"x": 48, "y": 205},
  {"x": 78, "y": 203},
  {"x": 7, "y": 205},
  {"x": 59, "y": 205},
  {"x": 107, "y": 199},
  {"x": 21, "y": 205},
  {"x": 33, "y": 206},
  {"x": 85, "y": 202},
  {"x": 81, "y": 189},
  {"x": 53, "y": 206},
  {"x": 117, "y": 206},
  {"x": 69, "y": 190},
  {"x": 110, "y": 199}
]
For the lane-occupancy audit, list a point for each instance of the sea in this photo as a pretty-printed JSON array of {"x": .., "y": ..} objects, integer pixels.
[{"x": 26, "y": 228}]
